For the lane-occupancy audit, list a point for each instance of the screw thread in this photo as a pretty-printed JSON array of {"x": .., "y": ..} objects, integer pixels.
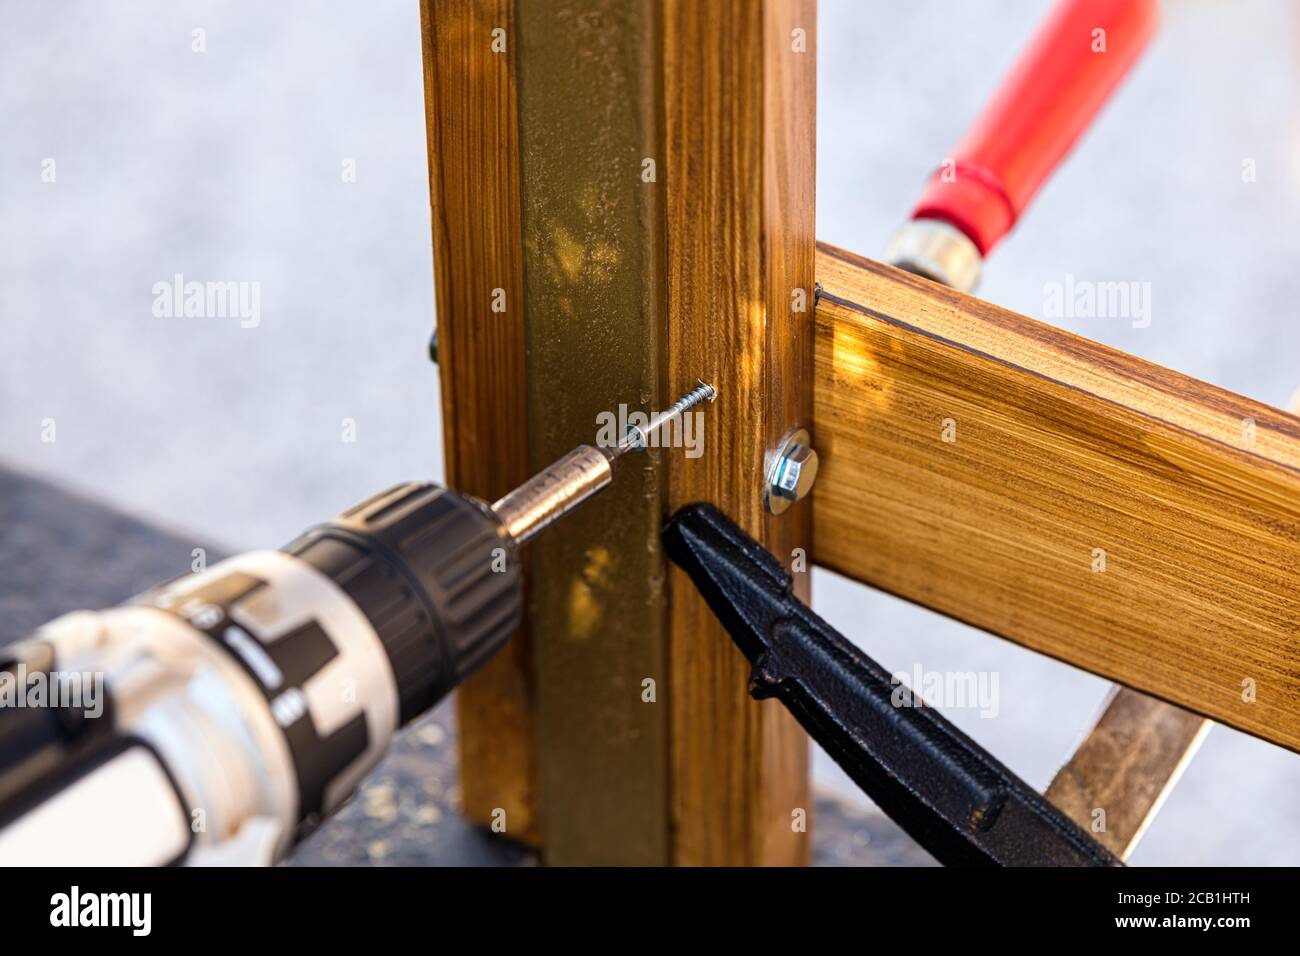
[
  {"x": 704, "y": 392},
  {"x": 638, "y": 438}
]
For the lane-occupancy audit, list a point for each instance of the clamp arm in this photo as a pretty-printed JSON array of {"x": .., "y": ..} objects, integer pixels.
[{"x": 947, "y": 792}]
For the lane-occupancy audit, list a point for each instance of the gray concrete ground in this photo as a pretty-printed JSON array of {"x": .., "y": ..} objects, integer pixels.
[{"x": 231, "y": 165}]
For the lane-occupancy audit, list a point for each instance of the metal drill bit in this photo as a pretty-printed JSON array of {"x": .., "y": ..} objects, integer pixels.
[{"x": 555, "y": 491}]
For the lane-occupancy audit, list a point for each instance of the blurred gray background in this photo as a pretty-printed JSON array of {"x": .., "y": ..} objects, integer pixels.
[{"x": 227, "y": 165}]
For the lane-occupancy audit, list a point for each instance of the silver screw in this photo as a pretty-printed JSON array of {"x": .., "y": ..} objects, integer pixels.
[
  {"x": 639, "y": 438},
  {"x": 792, "y": 472}
]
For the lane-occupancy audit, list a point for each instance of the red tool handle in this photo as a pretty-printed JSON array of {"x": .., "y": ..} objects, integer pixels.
[{"x": 1076, "y": 59}]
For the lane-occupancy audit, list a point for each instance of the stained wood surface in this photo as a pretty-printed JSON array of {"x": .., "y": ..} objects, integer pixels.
[
  {"x": 635, "y": 288},
  {"x": 471, "y": 117},
  {"x": 1066, "y": 452},
  {"x": 740, "y": 106},
  {"x": 1130, "y": 760},
  {"x": 593, "y": 245},
  {"x": 1114, "y": 784}
]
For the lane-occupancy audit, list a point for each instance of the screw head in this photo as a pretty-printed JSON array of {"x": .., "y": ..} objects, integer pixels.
[{"x": 792, "y": 473}]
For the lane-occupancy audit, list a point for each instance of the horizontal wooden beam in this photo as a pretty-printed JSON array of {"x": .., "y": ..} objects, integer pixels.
[{"x": 1087, "y": 504}]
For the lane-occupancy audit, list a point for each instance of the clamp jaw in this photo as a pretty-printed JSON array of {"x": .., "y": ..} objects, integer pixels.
[{"x": 948, "y": 793}]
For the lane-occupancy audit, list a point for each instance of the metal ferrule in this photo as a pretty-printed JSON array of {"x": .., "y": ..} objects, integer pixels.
[{"x": 937, "y": 250}]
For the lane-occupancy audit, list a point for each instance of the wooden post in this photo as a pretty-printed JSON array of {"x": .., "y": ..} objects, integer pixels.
[
  {"x": 649, "y": 195},
  {"x": 469, "y": 82},
  {"x": 593, "y": 241},
  {"x": 740, "y": 106}
]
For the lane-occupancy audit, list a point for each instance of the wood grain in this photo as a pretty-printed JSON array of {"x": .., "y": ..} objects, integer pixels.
[
  {"x": 1066, "y": 452},
  {"x": 471, "y": 118},
  {"x": 1130, "y": 760},
  {"x": 593, "y": 243},
  {"x": 1126, "y": 766},
  {"x": 740, "y": 107}
]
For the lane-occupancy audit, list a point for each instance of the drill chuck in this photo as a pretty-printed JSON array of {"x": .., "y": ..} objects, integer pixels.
[{"x": 435, "y": 577}]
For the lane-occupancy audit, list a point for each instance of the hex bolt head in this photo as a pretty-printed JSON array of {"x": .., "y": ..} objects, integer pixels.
[{"x": 792, "y": 472}]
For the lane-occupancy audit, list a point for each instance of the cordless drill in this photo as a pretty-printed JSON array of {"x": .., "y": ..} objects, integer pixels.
[{"x": 243, "y": 704}]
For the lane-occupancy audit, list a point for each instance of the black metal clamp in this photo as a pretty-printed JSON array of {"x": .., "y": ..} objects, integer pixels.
[{"x": 948, "y": 793}]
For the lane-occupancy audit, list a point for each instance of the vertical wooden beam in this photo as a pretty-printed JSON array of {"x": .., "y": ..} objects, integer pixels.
[
  {"x": 648, "y": 209},
  {"x": 469, "y": 76},
  {"x": 740, "y": 108},
  {"x": 593, "y": 239}
]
